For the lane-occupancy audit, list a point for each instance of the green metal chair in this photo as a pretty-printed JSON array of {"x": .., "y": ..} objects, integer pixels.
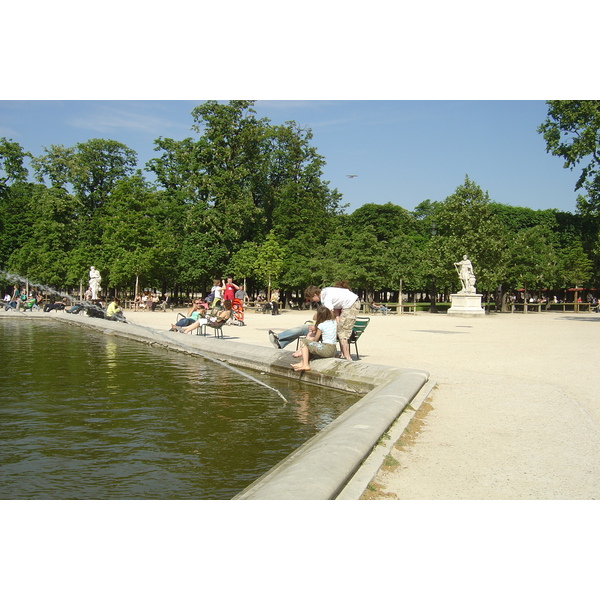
[{"x": 359, "y": 328}]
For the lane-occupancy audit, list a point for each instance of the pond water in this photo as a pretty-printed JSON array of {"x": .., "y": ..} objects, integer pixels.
[{"x": 89, "y": 416}]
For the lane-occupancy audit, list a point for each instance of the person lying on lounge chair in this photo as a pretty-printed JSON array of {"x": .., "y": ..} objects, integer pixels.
[{"x": 220, "y": 318}]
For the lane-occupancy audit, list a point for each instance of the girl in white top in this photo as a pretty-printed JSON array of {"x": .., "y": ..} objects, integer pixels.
[
  {"x": 342, "y": 301},
  {"x": 323, "y": 343},
  {"x": 217, "y": 291}
]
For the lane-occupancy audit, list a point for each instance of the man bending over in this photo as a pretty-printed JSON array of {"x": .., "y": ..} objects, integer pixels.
[{"x": 344, "y": 303}]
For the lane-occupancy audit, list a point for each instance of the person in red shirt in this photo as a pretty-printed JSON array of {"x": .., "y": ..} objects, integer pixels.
[{"x": 229, "y": 289}]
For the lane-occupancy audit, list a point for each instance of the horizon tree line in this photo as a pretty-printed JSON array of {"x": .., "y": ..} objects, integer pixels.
[{"x": 247, "y": 198}]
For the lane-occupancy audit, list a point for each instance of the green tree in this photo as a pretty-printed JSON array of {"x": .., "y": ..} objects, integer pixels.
[
  {"x": 136, "y": 240},
  {"x": 406, "y": 261},
  {"x": 42, "y": 253},
  {"x": 533, "y": 263},
  {"x": 386, "y": 220},
  {"x": 572, "y": 131},
  {"x": 243, "y": 263},
  {"x": 92, "y": 168},
  {"x": 575, "y": 268},
  {"x": 465, "y": 224},
  {"x": 269, "y": 261},
  {"x": 12, "y": 169}
]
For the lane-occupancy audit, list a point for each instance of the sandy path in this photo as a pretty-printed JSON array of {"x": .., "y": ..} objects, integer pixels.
[{"x": 516, "y": 411}]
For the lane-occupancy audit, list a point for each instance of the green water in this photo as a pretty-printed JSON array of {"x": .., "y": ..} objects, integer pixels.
[{"x": 89, "y": 416}]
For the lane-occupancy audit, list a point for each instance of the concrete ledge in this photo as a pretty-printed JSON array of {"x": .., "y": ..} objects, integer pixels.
[{"x": 322, "y": 466}]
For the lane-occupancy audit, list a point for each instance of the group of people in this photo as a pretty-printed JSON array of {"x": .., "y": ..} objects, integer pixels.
[
  {"x": 334, "y": 319},
  {"x": 20, "y": 299},
  {"x": 338, "y": 307},
  {"x": 197, "y": 316},
  {"x": 222, "y": 290}
]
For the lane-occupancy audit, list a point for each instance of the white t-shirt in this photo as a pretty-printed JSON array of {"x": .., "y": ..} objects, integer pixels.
[
  {"x": 328, "y": 332},
  {"x": 217, "y": 291},
  {"x": 333, "y": 297}
]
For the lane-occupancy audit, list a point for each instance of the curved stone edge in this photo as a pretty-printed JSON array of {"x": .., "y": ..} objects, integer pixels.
[
  {"x": 360, "y": 481},
  {"x": 322, "y": 466}
]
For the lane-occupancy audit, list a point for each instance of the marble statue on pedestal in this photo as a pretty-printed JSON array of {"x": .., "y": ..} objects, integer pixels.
[
  {"x": 95, "y": 280},
  {"x": 466, "y": 275},
  {"x": 467, "y": 302}
]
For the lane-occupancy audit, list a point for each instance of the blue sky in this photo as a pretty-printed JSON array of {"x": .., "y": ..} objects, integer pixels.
[{"x": 402, "y": 151}]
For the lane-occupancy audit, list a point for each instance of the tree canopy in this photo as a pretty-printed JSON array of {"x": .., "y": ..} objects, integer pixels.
[
  {"x": 572, "y": 131},
  {"x": 247, "y": 198}
]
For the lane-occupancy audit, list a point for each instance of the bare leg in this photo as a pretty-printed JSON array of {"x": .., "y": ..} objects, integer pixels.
[
  {"x": 304, "y": 365},
  {"x": 345, "y": 349},
  {"x": 191, "y": 327}
]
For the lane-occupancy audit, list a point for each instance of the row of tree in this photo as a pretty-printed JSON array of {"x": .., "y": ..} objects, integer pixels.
[{"x": 247, "y": 198}]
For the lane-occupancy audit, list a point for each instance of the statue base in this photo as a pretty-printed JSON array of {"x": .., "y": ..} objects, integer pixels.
[{"x": 466, "y": 305}]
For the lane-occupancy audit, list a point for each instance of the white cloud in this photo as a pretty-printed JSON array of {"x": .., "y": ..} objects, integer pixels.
[{"x": 134, "y": 118}]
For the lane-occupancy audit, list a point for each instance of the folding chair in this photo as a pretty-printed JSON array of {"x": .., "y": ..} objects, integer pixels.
[
  {"x": 357, "y": 330},
  {"x": 216, "y": 327}
]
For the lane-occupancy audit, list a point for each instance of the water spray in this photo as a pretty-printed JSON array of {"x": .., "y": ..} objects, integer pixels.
[
  {"x": 40, "y": 286},
  {"x": 223, "y": 364}
]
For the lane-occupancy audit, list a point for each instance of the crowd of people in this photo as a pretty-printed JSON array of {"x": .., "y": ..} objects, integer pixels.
[
  {"x": 337, "y": 310},
  {"x": 21, "y": 300}
]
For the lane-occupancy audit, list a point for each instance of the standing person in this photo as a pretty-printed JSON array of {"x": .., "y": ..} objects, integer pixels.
[
  {"x": 343, "y": 300},
  {"x": 216, "y": 291},
  {"x": 240, "y": 294},
  {"x": 275, "y": 302},
  {"x": 229, "y": 289},
  {"x": 322, "y": 344}
]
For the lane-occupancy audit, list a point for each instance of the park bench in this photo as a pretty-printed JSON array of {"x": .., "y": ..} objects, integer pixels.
[
  {"x": 527, "y": 306},
  {"x": 575, "y": 306}
]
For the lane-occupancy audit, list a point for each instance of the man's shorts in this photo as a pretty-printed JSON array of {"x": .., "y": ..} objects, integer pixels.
[{"x": 346, "y": 322}]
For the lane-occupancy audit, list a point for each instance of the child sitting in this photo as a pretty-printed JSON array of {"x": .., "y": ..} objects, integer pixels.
[{"x": 320, "y": 343}]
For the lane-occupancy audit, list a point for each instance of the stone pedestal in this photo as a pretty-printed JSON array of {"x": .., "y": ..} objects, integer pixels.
[{"x": 466, "y": 305}]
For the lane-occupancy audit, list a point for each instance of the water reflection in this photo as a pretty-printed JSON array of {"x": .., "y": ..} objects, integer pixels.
[{"x": 85, "y": 415}]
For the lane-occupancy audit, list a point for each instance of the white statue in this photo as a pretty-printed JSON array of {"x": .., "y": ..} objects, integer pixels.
[
  {"x": 95, "y": 280},
  {"x": 464, "y": 269}
]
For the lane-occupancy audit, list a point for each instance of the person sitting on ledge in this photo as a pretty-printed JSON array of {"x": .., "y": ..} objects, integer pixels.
[
  {"x": 323, "y": 343},
  {"x": 345, "y": 304},
  {"x": 114, "y": 312}
]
